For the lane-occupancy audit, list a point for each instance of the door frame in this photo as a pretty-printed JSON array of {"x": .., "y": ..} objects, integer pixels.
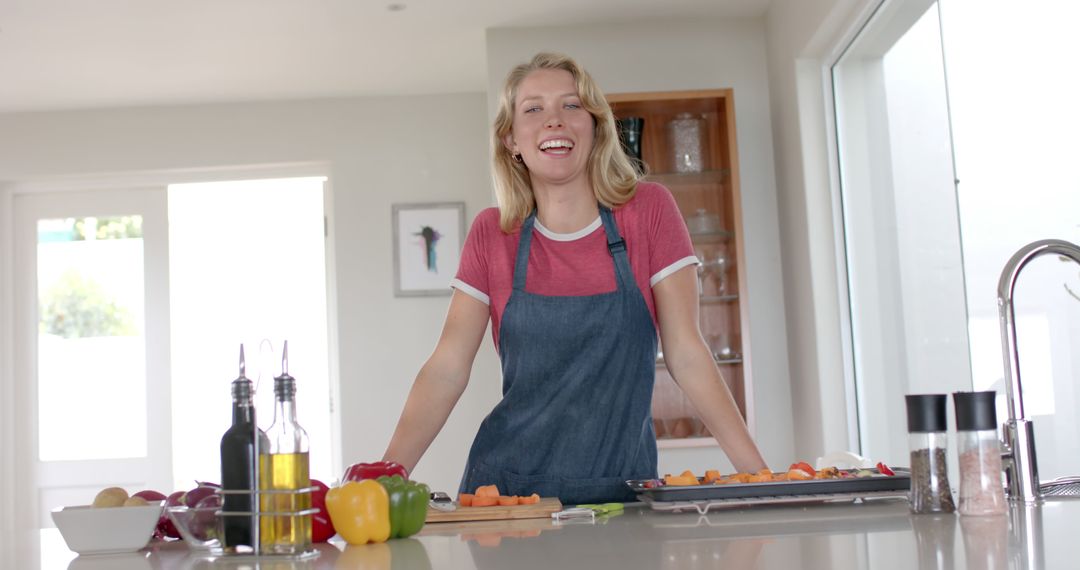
[
  {"x": 156, "y": 465},
  {"x": 12, "y": 520}
]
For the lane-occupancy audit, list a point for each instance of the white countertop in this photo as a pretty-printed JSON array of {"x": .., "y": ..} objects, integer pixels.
[{"x": 880, "y": 535}]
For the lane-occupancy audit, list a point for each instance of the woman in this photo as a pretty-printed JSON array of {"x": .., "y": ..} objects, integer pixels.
[{"x": 577, "y": 269}]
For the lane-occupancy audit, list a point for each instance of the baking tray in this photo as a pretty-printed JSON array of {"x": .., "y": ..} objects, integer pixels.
[{"x": 875, "y": 484}]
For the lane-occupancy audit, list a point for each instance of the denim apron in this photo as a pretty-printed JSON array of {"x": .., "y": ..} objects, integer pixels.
[{"x": 575, "y": 419}]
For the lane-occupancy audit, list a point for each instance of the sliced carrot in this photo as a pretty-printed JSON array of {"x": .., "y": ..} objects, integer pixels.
[
  {"x": 487, "y": 491},
  {"x": 530, "y": 500},
  {"x": 507, "y": 501},
  {"x": 465, "y": 499},
  {"x": 688, "y": 473},
  {"x": 484, "y": 501},
  {"x": 711, "y": 476}
]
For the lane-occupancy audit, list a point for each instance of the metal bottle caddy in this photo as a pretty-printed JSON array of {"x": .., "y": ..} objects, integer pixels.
[
  {"x": 256, "y": 495},
  {"x": 255, "y": 553}
]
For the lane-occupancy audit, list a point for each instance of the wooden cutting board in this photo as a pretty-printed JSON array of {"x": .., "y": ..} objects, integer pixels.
[{"x": 543, "y": 509}]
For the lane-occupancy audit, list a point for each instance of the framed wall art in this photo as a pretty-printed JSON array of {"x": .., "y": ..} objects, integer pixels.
[{"x": 427, "y": 247}]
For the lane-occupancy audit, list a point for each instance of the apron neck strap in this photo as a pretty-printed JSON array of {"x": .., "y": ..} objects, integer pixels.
[{"x": 521, "y": 262}]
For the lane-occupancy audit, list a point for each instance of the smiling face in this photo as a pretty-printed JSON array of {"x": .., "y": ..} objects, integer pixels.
[{"x": 551, "y": 128}]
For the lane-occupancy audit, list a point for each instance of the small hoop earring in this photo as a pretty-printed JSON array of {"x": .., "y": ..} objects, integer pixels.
[{"x": 517, "y": 158}]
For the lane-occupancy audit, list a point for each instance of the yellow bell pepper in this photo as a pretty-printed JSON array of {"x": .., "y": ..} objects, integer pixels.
[{"x": 360, "y": 511}]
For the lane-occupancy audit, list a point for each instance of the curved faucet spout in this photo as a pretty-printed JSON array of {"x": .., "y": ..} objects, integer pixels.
[{"x": 1022, "y": 469}]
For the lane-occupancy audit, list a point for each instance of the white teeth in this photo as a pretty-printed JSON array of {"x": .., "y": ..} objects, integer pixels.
[{"x": 556, "y": 143}]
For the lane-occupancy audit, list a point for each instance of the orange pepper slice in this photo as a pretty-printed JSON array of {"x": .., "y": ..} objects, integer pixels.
[{"x": 681, "y": 480}]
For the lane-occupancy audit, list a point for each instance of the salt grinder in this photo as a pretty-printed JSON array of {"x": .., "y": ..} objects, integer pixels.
[{"x": 981, "y": 489}]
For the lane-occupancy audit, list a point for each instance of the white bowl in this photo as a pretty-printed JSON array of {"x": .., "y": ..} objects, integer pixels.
[
  {"x": 124, "y": 561},
  {"x": 89, "y": 530}
]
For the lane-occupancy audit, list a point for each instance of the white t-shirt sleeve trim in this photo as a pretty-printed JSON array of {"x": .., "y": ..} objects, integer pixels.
[
  {"x": 470, "y": 291},
  {"x": 660, "y": 275}
]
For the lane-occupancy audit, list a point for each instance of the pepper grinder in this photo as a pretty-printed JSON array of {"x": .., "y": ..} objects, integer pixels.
[{"x": 927, "y": 424}]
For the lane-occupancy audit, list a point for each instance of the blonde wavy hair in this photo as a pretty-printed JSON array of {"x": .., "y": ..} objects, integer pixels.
[{"x": 612, "y": 175}]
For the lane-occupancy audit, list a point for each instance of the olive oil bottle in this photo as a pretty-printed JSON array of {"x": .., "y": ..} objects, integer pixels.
[
  {"x": 240, "y": 446},
  {"x": 283, "y": 470}
]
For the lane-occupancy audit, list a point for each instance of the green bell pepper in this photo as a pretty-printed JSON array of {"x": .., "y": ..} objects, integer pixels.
[{"x": 408, "y": 505}]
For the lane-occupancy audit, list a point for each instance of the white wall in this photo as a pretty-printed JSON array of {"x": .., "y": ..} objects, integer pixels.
[
  {"x": 668, "y": 56},
  {"x": 380, "y": 151},
  {"x": 801, "y": 36},
  {"x": 10, "y": 536}
]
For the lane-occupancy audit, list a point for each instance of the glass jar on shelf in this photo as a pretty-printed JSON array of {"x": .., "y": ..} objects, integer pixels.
[
  {"x": 686, "y": 131},
  {"x": 713, "y": 270}
]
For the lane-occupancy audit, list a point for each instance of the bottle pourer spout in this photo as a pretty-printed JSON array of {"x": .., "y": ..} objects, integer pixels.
[{"x": 285, "y": 359}]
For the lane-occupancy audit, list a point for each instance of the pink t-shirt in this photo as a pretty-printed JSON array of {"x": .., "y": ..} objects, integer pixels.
[{"x": 578, "y": 263}]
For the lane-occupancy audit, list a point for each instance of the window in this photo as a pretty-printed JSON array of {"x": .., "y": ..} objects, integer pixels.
[{"x": 955, "y": 142}]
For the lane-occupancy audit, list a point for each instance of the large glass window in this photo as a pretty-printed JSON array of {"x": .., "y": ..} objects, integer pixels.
[
  {"x": 1014, "y": 116},
  {"x": 955, "y": 143}
]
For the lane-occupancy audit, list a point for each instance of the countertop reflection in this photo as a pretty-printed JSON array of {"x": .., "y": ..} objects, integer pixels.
[{"x": 878, "y": 535}]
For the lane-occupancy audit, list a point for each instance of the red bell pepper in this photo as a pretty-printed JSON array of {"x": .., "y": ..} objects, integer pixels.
[
  {"x": 322, "y": 528},
  {"x": 804, "y": 466},
  {"x": 884, "y": 469},
  {"x": 361, "y": 471}
]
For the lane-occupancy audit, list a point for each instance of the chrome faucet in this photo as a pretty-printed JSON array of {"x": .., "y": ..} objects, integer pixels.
[{"x": 1021, "y": 469}]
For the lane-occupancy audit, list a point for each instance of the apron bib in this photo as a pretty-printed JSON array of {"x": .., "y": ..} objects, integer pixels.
[{"x": 575, "y": 419}]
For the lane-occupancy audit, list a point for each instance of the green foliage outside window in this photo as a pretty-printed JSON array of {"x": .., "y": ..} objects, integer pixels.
[
  {"x": 111, "y": 228},
  {"x": 76, "y": 307}
]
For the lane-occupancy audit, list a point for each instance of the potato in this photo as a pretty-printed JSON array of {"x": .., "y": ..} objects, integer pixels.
[
  {"x": 135, "y": 502},
  {"x": 110, "y": 497}
]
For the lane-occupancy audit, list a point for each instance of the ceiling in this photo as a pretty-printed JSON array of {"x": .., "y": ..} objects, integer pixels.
[{"x": 71, "y": 54}]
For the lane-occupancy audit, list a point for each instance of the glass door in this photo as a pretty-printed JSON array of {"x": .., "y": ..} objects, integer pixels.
[{"x": 92, "y": 358}]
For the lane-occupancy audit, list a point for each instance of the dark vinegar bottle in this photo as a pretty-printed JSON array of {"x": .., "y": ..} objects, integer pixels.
[{"x": 238, "y": 456}]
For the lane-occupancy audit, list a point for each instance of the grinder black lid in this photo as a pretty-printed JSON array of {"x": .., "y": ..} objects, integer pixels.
[
  {"x": 975, "y": 411},
  {"x": 926, "y": 413}
]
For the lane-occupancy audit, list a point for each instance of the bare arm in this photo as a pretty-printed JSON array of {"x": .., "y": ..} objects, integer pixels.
[
  {"x": 691, "y": 365},
  {"x": 440, "y": 382}
]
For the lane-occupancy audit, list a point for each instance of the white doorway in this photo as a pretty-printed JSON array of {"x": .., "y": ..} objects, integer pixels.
[
  {"x": 129, "y": 308},
  {"x": 247, "y": 265}
]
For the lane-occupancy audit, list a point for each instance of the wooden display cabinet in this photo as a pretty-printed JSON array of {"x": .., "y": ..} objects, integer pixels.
[{"x": 707, "y": 192}]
